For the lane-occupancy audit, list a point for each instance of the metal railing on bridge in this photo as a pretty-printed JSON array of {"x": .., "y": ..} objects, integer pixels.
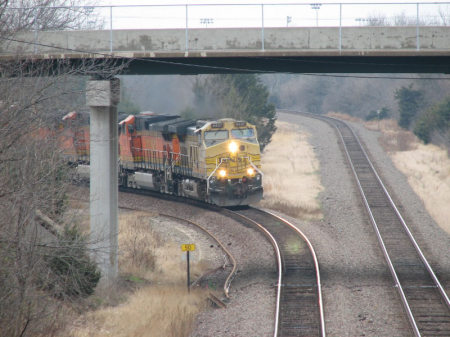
[{"x": 262, "y": 15}]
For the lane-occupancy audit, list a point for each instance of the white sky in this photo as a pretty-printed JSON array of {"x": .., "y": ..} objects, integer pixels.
[{"x": 146, "y": 14}]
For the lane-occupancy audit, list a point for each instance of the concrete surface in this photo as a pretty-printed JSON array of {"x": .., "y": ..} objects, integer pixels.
[
  {"x": 102, "y": 98},
  {"x": 301, "y": 40}
]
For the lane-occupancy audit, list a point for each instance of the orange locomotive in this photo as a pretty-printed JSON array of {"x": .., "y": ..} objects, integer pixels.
[
  {"x": 214, "y": 161},
  {"x": 74, "y": 137}
]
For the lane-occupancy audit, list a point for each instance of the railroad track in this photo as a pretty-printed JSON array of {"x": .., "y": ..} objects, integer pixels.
[
  {"x": 299, "y": 307},
  {"x": 299, "y": 310},
  {"x": 425, "y": 301},
  {"x": 229, "y": 262}
]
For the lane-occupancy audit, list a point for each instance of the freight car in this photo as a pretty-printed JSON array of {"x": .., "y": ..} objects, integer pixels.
[{"x": 214, "y": 161}]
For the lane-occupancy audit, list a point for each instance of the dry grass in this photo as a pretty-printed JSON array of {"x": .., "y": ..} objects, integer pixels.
[
  {"x": 78, "y": 213},
  {"x": 428, "y": 170},
  {"x": 344, "y": 117},
  {"x": 160, "y": 304},
  {"x": 150, "y": 311},
  {"x": 394, "y": 138},
  {"x": 138, "y": 244},
  {"x": 427, "y": 167},
  {"x": 291, "y": 178},
  {"x": 146, "y": 254}
]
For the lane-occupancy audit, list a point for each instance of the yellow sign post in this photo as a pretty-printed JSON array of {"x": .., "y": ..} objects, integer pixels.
[{"x": 188, "y": 248}]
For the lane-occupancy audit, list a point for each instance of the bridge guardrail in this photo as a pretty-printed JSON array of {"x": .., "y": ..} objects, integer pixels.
[{"x": 261, "y": 16}]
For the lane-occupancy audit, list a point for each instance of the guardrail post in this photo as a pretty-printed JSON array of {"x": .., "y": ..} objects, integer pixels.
[
  {"x": 340, "y": 28},
  {"x": 186, "y": 43},
  {"x": 262, "y": 27},
  {"x": 417, "y": 29},
  {"x": 110, "y": 30}
]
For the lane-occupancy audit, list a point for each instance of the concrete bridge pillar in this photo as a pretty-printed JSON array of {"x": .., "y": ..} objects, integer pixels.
[{"x": 102, "y": 96}]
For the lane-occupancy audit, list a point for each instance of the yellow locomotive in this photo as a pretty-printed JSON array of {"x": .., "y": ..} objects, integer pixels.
[
  {"x": 215, "y": 161},
  {"x": 232, "y": 162}
]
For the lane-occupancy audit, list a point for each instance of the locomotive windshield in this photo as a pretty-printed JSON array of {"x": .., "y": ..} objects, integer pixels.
[
  {"x": 247, "y": 134},
  {"x": 214, "y": 137}
]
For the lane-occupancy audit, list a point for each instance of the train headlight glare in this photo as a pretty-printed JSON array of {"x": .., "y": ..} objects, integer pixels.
[
  {"x": 250, "y": 171},
  {"x": 233, "y": 147},
  {"x": 222, "y": 173}
]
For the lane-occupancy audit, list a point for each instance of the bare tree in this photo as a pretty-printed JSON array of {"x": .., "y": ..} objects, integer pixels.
[
  {"x": 44, "y": 264},
  {"x": 35, "y": 15},
  {"x": 444, "y": 14},
  {"x": 402, "y": 19}
]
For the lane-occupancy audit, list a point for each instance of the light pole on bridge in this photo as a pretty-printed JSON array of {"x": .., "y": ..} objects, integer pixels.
[
  {"x": 288, "y": 20},
  {"x": 316, "y": 7},
  {"x": 206, "y": 21}
]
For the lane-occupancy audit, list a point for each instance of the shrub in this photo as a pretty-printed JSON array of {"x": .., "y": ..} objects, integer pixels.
[
  {"x": 75, "y": 274},
  {"x": 422, "y": 130},
  {"x": 379, "y": 114},
  {"x": 437, "y": 118}
]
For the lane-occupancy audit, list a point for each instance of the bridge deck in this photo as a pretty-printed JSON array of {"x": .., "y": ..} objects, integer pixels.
[{"x": 312, "y": 49}]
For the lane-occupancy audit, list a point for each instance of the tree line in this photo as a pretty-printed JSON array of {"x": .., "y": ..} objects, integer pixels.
[{"x": 419, "y": 105}]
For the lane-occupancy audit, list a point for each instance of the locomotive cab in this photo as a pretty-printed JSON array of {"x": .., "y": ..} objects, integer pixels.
[{"x": 233, "y": 165}]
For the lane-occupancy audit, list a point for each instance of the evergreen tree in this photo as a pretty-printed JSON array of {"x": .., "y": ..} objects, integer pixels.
[
  {"x": 408, "y": 101},
  {"x": 242, "y": 97},
  {"x": 436, "y": 119}
]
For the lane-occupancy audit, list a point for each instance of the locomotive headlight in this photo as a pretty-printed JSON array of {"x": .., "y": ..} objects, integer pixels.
[
  {"x": 250, "y": 171},
  {"x": 233, "y": 147},
  {"x": 222, "y": 173}
]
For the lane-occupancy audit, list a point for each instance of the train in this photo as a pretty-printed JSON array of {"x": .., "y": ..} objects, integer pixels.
[{"x": 215, "y": 161}]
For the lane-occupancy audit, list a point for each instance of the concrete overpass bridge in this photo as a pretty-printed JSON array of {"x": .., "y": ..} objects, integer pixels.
[{"x": 408, "y": 49}]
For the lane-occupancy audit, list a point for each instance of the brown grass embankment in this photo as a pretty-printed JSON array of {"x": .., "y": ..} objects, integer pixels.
[
  {"x": 291, "y": 174},
  {"x": 162, "y": 311},
  {"x": 427, "y": 167},
  {"x": 160, "y": 305}
]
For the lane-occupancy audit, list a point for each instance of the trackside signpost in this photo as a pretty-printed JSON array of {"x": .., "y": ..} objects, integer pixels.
[{"x": 188, "y": 248}]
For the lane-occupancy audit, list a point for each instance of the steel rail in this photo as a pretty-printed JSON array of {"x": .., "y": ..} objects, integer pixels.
[
  {"x": 227, "y": 283},
  {"x": 398, "y": 285},
  {"x": 279, "y": 263},
  {"x": 316, "y": 264},
  {"x": 281, "y": 284},
  {"x": 407, "y": 307},
  {"x": 405, "y": 226}
]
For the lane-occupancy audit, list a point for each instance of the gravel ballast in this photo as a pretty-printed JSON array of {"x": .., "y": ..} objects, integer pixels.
[
  {"x": 251, "y": 308},
  {"x": 359, "y": 296}
]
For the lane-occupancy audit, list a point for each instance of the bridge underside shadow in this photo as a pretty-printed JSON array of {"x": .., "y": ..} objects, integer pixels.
[{"x": 304, "y": 64}]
